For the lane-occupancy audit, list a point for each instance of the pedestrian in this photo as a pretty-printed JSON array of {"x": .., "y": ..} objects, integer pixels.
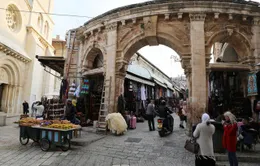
[
  {"x": 229, "y": 140},
  {"x": 203, "y": 133},
  {"x": 25, "y": 108},
  {"x": 150, "y": 112},
  {"x": 40, "y": 109},
  {"x": 183, "y": 115}
]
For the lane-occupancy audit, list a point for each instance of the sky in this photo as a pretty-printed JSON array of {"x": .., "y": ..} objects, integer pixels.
[{"x": 158, "y": 55}]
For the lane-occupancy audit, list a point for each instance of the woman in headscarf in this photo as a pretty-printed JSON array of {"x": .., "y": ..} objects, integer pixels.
[
  {"x": 229, "y": 140},
  {"x": 204, "y": 132}
]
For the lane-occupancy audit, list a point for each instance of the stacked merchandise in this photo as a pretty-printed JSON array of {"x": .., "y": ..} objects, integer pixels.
[
  {"x": 54, "y": 109},
  {"x": 85, "y": 87},
  {"x": 72, "y": 90}
]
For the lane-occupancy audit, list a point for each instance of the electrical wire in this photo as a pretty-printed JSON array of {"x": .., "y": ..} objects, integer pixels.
[{"x": 54, "y": 14}]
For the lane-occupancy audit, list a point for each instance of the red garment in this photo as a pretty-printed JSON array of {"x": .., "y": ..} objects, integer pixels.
[{"x": 229, "y": 140}]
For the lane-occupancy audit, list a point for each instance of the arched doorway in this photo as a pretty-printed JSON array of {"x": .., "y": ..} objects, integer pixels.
[
  {"x": 93, "y": 78},
  {"x": 228, "y": 74},
  {"x": 10, "y": 87}
]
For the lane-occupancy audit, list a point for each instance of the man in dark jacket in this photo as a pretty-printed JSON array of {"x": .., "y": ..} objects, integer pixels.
[
  {"x": 25, "y": 108},
  {"x": 70, "y": 113},
  {"x": 150, "y": 112},
  {"x": 164, "y": 112}
]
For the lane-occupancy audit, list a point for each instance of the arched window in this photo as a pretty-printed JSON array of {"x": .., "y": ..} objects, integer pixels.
[
  {"x": 40, "y": 21},
  {"x": 46, "y": 29},
  {"x": 13, "y": 18}
]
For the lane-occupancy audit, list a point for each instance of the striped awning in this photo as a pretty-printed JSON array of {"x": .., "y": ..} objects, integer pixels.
[
  {"x": 140, "y": 80},
  {"x": 160, "y": 84}
]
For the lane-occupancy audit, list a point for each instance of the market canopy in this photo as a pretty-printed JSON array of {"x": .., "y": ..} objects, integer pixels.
[
  {"x": 139, "y": 71},
  {"x": 56, "y": 63}
]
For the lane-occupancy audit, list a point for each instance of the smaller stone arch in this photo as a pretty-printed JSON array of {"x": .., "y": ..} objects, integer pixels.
[
  {"x": 235, "y": 39},
  {"x": 91, "y": 54}
]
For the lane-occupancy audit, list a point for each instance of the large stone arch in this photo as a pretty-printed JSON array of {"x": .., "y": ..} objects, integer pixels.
[
  {"x": 140, "y": 41},
  {"x": 180, "y": 25},
  {"x": 234, "y": 38}
]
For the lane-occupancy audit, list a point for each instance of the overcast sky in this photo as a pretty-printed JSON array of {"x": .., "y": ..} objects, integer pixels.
[{"x": 158, "y": 55}]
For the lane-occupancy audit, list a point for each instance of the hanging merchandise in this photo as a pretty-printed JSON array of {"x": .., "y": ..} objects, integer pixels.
[
  {"x": 143, "y": 92},
  {"x": 252, "y": 84},
  {"x": 85, "y": 87},
  {"x": 72, "y": 89}
]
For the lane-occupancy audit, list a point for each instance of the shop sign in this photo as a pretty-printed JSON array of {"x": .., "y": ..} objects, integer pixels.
[{"x": 252, "y": 84}]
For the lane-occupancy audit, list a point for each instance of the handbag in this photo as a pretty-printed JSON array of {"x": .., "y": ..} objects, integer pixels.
[{"x": 192, "y": 146}]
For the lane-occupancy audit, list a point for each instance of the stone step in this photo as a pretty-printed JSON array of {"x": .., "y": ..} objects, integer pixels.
[
  {"x": 240, "y": 164},
  {"x": 247, "y": 157}
]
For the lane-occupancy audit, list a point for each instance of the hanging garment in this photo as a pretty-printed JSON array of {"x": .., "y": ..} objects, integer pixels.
[
  {"x": 143, "y": 94},
  {"x": 121, "y": 105},
  {"x": 77, "y": 91}
]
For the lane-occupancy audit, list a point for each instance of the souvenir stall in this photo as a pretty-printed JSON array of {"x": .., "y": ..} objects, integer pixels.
[
  {"x": 93, "y": 96},
  {"x": 253, "y": 92},
  {"x": 227, "y": 92}
]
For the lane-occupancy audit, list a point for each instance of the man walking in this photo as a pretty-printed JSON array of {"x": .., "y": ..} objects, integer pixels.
[
  {"x": 25, "y": 108},
  {"x": 150, "y": 111}
]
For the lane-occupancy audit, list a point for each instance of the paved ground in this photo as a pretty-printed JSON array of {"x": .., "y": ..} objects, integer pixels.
[{"x": 137, "y": 148}]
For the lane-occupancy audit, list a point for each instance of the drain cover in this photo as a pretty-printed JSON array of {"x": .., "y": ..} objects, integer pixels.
[{"x": 135, "y": 140}]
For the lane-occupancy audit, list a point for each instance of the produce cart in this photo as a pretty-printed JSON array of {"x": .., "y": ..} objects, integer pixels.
[
  {"x": 54, "y": 137},
  {"x": 48, "y": 133}
]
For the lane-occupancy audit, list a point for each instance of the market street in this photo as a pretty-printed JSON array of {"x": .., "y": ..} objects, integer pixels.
[{"x": 137, "y": 147}]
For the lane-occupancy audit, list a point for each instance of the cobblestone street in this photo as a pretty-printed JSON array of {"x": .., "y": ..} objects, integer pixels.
[{"x": 137, "y": 148}]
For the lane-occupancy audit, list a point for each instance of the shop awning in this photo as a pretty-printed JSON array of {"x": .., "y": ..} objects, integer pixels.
[
  {"x": 159, "y": 83},
  {"x": 228, "y": 67},
  {"x": 139, "y": 71},
  {"x": 137, "y": 79},
  {"x": 56, "y": 63}
]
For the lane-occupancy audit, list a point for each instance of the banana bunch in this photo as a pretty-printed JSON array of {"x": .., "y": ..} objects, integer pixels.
[
  {"x": 28, "y": 120},
  {"x": 61, "y": 126}
]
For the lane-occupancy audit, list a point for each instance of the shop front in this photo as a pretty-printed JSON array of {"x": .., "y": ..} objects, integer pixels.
[
  {"x": 228, "y": 90},
  {"x": 138, "y": 88}
]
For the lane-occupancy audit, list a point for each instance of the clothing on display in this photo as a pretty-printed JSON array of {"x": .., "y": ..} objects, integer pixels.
[{"x": 143, "y": 93}]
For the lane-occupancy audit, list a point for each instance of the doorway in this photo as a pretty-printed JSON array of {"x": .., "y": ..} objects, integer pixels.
[{"x": 1, "y": 95}]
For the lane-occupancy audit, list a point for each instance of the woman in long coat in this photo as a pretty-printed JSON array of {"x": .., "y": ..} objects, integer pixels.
[{"x": 204, "y": 132}]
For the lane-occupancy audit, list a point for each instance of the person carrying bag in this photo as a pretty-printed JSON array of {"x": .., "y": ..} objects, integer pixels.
[{"x": 204, "y": 153}]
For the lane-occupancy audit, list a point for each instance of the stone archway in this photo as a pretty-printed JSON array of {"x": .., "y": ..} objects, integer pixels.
[
  {"x": 10, "y": 78},
  {"x": 179, "y": 26}
]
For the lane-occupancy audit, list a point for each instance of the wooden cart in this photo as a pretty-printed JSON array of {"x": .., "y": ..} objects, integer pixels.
[
  {"x": 54, "y": 137},
  {"x": 47, "y": 137}
]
